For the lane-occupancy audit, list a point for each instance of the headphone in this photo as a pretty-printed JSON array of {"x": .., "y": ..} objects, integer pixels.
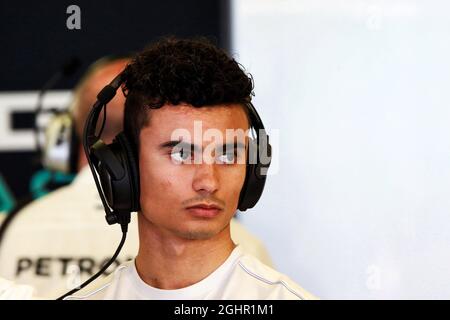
[
  {"x": 61, "y": 147},
  {"x": 117, "y": 167},
  {"x": 56, "y": 152}
]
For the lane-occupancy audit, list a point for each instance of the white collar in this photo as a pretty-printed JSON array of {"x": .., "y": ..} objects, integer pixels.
[{"x": 195, "y": 291}]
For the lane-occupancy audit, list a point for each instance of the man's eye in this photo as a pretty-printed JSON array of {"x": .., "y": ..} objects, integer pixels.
[
  {"x": 180, "y": 155},
  {"x": 227, "y": 158}
]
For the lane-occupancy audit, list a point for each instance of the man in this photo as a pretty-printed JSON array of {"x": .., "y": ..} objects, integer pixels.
[
  {"x": 60, "y": 240},
  {"x": 185, "y": 247}
]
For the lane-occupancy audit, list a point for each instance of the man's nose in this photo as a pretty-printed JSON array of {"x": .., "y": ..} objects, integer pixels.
[{"x": 205, "y": 180}]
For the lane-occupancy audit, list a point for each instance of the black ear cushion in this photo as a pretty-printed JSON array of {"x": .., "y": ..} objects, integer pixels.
[
  {"x": 133, "y": 168},
  {"x": 254, "y": 181},
  {"x": 245, "y": 197}
]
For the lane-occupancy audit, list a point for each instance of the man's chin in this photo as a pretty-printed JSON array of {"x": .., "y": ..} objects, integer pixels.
[
  {"x": 197, "y": 234},
  {"x": 200, "y": 233}
]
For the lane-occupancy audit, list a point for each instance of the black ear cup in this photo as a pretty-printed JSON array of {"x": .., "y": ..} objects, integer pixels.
[
  {"x": 118, "y": 172},
  {"x": 133, "y": 166},
  {"x": 256, "y": 173}
]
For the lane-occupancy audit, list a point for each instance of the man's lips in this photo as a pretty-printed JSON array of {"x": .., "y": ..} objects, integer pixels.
[
  {"x": 205, "y": 206},
  {"x": 204, "y": 210}
]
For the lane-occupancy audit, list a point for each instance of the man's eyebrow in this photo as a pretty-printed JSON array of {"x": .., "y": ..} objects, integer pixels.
[{"x": 169, "y": 144}]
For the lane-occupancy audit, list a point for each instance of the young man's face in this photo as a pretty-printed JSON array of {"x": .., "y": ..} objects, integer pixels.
[{"x": 173, "y": 180}]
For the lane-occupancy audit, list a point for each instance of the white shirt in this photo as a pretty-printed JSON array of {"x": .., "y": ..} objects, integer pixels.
[
  {"x": 11, "y": 291},
  {"x": 240, "y": 277},
  {"x": 60, "y": 240}
]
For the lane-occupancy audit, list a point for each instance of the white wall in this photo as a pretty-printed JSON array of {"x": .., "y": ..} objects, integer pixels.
[{"x": 360, "y": 93}]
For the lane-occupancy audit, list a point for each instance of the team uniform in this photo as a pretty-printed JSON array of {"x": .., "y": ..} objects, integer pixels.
[{"x": 240, "y": 277}]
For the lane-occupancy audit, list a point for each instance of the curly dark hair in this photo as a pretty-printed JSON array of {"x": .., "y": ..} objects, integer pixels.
[{"x": 175, "y": 71}]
